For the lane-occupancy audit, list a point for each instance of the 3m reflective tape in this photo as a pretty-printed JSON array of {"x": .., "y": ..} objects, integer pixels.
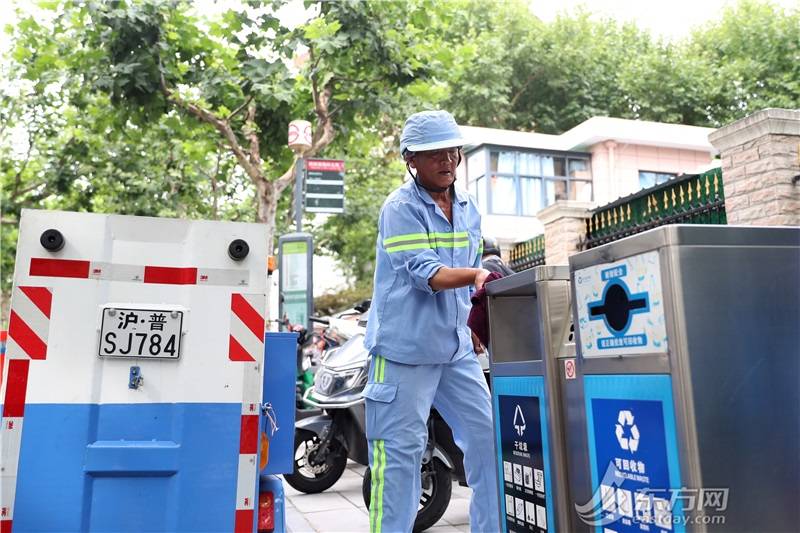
[
  {"x": 11, "y": 437},
  {"x": 59, "y": 268},
  {"x": 170, "y": 275},
  {"x": 244, "y": 521},
  {"x": 165, "y": 275},
  {"x": 16, "y": 387},
  {"x": 247, "y": 327},
  {"x": 29, "y": 322}
]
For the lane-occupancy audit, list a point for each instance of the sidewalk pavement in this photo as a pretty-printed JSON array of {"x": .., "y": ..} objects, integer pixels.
[{"x": 340, "y": 509}]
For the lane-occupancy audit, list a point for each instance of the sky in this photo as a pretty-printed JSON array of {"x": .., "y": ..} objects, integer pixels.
[{"x": 670, "y": 19}]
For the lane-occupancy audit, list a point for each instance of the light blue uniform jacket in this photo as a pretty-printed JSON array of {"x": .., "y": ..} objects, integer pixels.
[{"x": 409, "y": 322}]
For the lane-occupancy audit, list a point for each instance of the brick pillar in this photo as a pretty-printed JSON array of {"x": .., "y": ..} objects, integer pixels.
[
  {"x": 761, "y": 168},
  {"x": 564, "y": 229}
]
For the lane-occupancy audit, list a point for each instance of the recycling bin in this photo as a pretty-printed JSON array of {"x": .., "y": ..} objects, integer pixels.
[
  {"x": 530, "y": 340},
  {"x": 687, "y": 340}
]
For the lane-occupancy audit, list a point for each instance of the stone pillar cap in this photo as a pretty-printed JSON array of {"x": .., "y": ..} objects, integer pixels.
[
  {"x": 774, "y": 120},
  {"x": 565, "y": 209}
]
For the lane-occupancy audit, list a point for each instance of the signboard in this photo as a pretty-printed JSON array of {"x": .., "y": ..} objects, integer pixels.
[
  {"x": 324, "y": 186},
  {"x": 523, "y": 488},
  {"x": 295, "y": 284},
  {"x": 635, "y": 474},
  {"x": 621, "y": 307}
]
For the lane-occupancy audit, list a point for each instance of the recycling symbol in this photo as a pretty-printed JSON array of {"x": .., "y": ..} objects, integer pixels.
[{"x": 625, "y": 419}]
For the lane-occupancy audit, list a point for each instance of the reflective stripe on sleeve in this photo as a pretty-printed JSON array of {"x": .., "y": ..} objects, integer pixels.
[{"x": 416, "y": 241}]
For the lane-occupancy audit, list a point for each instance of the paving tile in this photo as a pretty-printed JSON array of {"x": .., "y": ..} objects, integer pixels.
[
  {"x": 344, "y": 521},
  {"x": 460, "y": 492},
  {"x": 354, "y": 496},
  {"x": 324, "y": 501},
  {"x": 295, "y": 520},
  {"x": 445, "y": 528},
  {"x": 457, "y": 512},
  {"x": 348, "y": 482}
]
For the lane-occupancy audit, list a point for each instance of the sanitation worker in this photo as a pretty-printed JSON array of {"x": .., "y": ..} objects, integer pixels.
[{"x": 428, "y": 256}]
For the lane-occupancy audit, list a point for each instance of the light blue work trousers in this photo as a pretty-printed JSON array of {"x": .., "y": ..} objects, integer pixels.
[{"x": 398, "y": 401}]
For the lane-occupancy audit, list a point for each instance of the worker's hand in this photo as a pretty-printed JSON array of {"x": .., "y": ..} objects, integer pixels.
[
  {"x": 476, "y": 343},
  {"x": 480, "y": 278}
]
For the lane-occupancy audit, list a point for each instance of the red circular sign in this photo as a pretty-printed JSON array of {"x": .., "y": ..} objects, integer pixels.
[{"x": 569, "y": 368}]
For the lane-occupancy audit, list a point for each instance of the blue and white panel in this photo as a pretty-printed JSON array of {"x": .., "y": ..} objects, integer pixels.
[
  {"x": 621, "y": 307},
  {"x": 633, "y": 453},
  {"x": 523, "y": 454}
]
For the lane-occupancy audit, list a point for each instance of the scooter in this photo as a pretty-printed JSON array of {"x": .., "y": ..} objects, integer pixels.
[{"x": 324, "y": 443}]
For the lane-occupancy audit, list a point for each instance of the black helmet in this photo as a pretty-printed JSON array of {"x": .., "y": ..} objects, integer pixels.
[{"x": 490, "y": 246}]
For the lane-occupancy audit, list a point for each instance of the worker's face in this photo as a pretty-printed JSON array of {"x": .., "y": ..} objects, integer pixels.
[{"x": 436, "y": 168}]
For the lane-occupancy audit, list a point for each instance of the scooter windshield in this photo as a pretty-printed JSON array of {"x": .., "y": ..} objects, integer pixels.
[{"x": 348, "y": 354}]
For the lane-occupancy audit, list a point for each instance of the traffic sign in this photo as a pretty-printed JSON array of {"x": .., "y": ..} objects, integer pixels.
[{"x": 325, "y": 185}]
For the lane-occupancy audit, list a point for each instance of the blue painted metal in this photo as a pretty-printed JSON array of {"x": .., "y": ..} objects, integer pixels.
[
  {"x": 280, "y": 369},
  {"x": 274, "y": 484},
  {"x": 532, "y": 386},
  {"x": 122, "y": 467}
]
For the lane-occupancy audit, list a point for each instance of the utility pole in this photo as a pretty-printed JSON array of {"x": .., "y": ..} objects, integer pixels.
[{"x": 298, "y": 193}]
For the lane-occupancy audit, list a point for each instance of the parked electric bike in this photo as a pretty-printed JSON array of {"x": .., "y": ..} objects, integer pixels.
[{"x": 323, "y": 443}]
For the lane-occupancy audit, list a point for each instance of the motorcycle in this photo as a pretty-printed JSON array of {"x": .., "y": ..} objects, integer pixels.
[
  {"x": 311, "y": 346},
  {"x": 324, "y": 443}
]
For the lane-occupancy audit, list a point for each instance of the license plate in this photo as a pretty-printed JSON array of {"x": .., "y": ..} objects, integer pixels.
[{"x": 142, "y": 333}]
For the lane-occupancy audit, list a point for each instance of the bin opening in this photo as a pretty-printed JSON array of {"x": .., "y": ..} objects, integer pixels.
[
  {"x": 266, "y": 512},
  {"x": 514, "y": 329}
]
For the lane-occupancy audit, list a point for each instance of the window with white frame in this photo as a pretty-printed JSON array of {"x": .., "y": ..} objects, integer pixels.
[{"x": 512, "y": 182}]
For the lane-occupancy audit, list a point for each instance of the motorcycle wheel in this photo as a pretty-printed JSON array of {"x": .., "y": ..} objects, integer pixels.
[
  {"x": 310, "y": 478},
  {"x": 434, "y": 499}
]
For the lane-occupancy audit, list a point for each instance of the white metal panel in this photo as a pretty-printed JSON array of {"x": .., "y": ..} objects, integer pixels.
[{"x": 73, "y": 372}]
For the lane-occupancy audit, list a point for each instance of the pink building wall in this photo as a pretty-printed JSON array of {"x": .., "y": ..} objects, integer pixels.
[{"x": 616, "y": 166}]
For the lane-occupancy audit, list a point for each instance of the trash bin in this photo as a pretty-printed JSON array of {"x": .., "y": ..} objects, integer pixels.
[
  {"x": 688, "y": 359},
  {"x": 529, "y": 326}
]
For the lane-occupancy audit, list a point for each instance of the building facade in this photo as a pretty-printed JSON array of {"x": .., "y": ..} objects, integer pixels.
[{"x": 513, "y": 175}]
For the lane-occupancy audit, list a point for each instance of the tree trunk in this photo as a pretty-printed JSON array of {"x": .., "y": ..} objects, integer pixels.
[{"x": 267, "y": 200}]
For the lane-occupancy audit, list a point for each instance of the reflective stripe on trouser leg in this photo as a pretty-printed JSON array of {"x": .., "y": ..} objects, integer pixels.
[
  {"x": 464, "y": 402},
  {"x": 397, "y": 433},
  {"x": 378, "y": 461},
  {"x": 377, "y": 473}
]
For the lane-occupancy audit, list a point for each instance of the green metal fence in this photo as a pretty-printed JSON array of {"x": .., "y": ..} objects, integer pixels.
[
  {"x": 690, "y": 199},
  {"x": 527, "y": 254}
]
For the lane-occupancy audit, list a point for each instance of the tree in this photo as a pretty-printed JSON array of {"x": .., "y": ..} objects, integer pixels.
[
  {"x": 156, "y": 99},
  {"x": 752, "y": 57}
]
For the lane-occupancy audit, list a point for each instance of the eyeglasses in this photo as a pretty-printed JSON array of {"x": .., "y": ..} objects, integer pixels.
[{"x": 438, "y": 155}]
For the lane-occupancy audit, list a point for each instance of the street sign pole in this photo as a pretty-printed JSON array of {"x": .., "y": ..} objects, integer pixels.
[{"x": 298, "y": 194}]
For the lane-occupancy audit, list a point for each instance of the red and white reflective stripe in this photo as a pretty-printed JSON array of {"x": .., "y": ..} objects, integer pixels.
[
  {"x": 29, "y": 323},
  {"x": 247, "y": 346},
  {"x": 165, "y": 275},
  {"x": 246, "y": 500},
  {"x": 11, "y": 437},
  {"x": 246, "y": 341},
  {"x": 28, "y": 330}
]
